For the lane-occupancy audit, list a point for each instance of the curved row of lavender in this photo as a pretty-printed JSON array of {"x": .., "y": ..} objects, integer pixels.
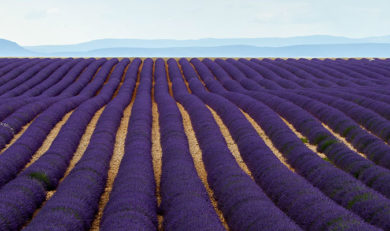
[
  {"x": 77, "y": 196},
  {"x": 375, "y": 177},
  {"x": 185, "y": 203},
  {"x": 349, "y": 189},
  {"x": 315, "y": 217},
  {"x": 132, "y": 204},
  {"x": 244, "y": 204}
]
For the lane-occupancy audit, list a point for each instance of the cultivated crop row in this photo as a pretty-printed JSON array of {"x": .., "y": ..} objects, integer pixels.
[{"x": 320, "y": 161}]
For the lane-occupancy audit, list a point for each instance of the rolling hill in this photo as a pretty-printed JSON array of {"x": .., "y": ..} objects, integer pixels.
[
  {"x": 207, "y": 42},
  {"x": 324, "y": 50},
  {"x": 9, "y": 48},
  {"x": 304, "y": 46}
]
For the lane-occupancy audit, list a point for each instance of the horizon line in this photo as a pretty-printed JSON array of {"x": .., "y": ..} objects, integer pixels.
[{"x": 197, "y": 39}]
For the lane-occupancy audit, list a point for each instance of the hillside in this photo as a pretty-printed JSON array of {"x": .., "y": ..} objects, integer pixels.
[
  {"x": 324, "y": 50},
  {"x": 9, "y": 48},
  {"x": 207, "y": 42},
  {"x": 305, "y": 46}
]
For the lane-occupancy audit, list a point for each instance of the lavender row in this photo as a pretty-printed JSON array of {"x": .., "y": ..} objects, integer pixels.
[
  {"x": 183, "y": 195},
  {"x": 372, "y": 146},
  {"x": 132, "y": 204},
  {"x": 375, "y": 149},
  {"x": 372, "y": 175},
  {"x": 336, "y": 184},
  {"x": 270, "y": 75},
  {"x": 328, "y": 73},
  {"x": 381, "y": 108},
  {"x": 10, "y": 105},
  {"x": 27, "y": 113},
  {"x": 11, "y": 65},
  {"x": 301, "y": 83},
  {"x": 365, "y": 117},
  {"x": 268, "y": 170},
  {"x": 19, "y": 85},
  {"x": 366, "y": 73},
  {"x": 281, "y": 68},
  {"x": 344, "y": 73},
  {"x": 254, "y": 78},
  {"x": 20, "y": 69},
  {"x": 309, "y": 73},
  {"x": 30, "y": 72},
  {"x": 367, "y": 66},
  {"x": 244, "y": 205},
  {"x": 33, "y": 89},
  {"x": 46, "y": 172},
  {"x": 91, "y": 75},
  {"x": 71, "y": 76},
  {"x": 76, "y": 200},
  {"x": 17, "y": 155},
  {"x": 67, "y": 140},
  {"x": 371, "y": 92},
  {"x": 348, "y": 73}
]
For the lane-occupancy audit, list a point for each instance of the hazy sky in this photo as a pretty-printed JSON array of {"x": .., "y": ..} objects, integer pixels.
[{"x": 32, "y": 22}]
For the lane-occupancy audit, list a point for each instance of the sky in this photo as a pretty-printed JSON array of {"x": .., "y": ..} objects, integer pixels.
[{"x": 38, "y": 22}]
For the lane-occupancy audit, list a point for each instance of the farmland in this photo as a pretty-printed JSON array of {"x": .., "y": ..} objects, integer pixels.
[{"x": 194, "y": 144}]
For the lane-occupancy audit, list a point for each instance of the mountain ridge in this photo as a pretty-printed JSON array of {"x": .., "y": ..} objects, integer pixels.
[
  {"x": 353, "y": 49},
  {"x": 10, "y": 48},
  {"x": 206, "y": 42},
  {"x": 304, "y": 51}
]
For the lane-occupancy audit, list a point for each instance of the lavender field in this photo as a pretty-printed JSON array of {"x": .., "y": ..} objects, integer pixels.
[{"x": 194, "y": 144}]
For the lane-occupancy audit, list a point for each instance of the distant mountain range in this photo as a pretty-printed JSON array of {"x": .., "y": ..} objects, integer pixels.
[
  {"x": 331, "y": 50},
  {"x": 208, "y": 42},
  {"x": 304, "y": 46},
  {"x": 9, "y": 48}
]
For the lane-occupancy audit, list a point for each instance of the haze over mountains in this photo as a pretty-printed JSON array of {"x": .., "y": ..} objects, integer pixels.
[
  {"x": 9, "y": 48},
  {"x": 303, "y": 46}
]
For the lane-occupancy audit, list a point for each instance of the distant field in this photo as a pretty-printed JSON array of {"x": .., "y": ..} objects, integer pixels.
[{"x": 194, "y": 144}]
